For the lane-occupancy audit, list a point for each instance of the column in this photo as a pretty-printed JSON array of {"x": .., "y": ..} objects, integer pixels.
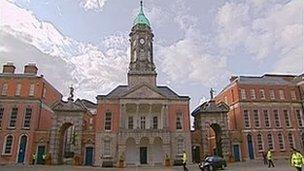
[
  {"x": 136, "y": 118},
  {"x": 149, "y": 118},
  {"x": 161, "y": 124},
  {"x": 121, "y": 116}
]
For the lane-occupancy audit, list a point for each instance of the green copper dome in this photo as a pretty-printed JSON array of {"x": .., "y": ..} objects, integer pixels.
[{"x": 141, "y": 18}]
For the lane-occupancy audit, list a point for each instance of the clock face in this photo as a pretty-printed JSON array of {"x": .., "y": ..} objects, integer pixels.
[{"x": 141, "y": 41}]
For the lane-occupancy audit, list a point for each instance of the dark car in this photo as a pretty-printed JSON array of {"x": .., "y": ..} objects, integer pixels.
[{"x": 212, "y": 163}]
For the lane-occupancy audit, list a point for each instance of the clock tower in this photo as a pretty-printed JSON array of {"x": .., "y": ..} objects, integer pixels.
[{"x": 141, "y": 67}]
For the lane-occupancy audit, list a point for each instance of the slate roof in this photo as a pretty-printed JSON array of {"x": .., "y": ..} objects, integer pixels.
[
  {"x": 210, "y": 107},
  {"x": 267, "y": 80},
  {"x": 121, "y": 90}
]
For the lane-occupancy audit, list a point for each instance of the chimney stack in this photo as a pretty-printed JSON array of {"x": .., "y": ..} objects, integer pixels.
[
  {"x": 232, "y": 78},
  {"x": 31, "y": 69},
  {"x": 9, "y": 68}
]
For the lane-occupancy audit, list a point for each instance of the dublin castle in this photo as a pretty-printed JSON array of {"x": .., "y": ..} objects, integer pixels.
[{"x": 142, "y": 123}]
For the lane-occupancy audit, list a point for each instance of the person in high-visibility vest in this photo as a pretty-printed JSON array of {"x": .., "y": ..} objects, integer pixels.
[
  {"x": 34, "y": 158},
  {"x": 43, "y": 158},
  {"x": 297, "y": 159},
  {"x": 184, "y": 160},
  {"x": 269, "y": 158}
]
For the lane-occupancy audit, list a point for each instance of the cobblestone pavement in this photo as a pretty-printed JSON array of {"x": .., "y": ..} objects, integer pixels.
[{"x": 281, "y": 165}]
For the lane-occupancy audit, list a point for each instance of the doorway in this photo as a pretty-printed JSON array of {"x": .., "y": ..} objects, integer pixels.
[
  {"x": 22, "y": 149},
  {"x": 143, "y": 155},
  {"x": 89, "y": 156},
  {"x": 236, "y": 152},
  {"x": 250, "y": 146},
  {"x": 40, "y": 153}
]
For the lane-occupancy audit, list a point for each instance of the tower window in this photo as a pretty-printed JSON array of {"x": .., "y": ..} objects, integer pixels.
[
  {"x": 179, "y": 120},
  {"x": 108, "y": 121}
]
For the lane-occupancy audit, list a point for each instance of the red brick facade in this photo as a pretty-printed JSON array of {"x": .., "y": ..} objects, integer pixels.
[{"x": 264, "y": 112}]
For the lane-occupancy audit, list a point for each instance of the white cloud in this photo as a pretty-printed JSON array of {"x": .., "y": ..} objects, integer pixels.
[
  {"x": 89, "y": 69},
  {"x": 264, "y": 30},
  {"x": 96, "y": 5}
]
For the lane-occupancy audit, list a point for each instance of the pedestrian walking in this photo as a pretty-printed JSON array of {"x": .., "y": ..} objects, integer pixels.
[
  {"x": 297, "y": 159},
  {"x": 34, "y": 158},
  {"x": 184, "y": 158},
  {"x": 270, "y": 159},
  {"x": 264, "y": 154}
]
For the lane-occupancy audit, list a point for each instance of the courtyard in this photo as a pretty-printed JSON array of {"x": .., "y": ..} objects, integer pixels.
[{"x": 254, "y": 165}]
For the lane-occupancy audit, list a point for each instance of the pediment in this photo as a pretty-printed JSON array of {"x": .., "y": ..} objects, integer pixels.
[{"x": 144, "y": 92}]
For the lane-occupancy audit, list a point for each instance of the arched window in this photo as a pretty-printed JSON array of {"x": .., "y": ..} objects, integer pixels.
[
  {"x": 8, "y": 144},
  {"x": 108, "y": 120},
  {"x": 270, "y": 141},
  {"x": 281, "y": 141},
  {"x": 260, "y": 142}
]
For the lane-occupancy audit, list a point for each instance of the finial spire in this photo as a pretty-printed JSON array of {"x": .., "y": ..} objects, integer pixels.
[{"x": 141, "y": 7}]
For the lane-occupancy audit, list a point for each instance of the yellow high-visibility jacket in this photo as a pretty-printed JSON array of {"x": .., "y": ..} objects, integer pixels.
[
  {"x": 297, "y": 159},
  {"x": 269, "y": 155},
  {"x": 184, "y": 158}
]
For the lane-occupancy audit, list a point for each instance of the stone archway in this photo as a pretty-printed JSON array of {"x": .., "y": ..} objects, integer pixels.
[
  {"x": 131, "y": 152},
  {"x": 218, "y": 139},
  {"x": 157, "y": 150},
  {"x": 65, "y": 149}
]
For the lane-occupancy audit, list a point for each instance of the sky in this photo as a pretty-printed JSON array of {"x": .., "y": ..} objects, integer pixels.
[{"x": 198, "y": 44}]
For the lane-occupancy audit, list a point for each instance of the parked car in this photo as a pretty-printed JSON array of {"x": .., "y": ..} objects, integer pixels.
[{"x": 212, "y": 163}]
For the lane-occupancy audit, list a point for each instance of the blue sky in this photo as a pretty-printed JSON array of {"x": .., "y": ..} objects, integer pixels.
[{"x": 198, "y": 44}]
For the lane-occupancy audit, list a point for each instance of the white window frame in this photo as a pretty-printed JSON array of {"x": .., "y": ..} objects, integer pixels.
[
  {"x": 260, "y": 143},
  {"x": 10, "y": 119},
  {"x": 272, "y": 94},
  {"x": 4, "y": 89},
  {"x": 258, "y": 119},
  {"x": 18, "y": 89},
  {"x": 292, "y": 138},
  {"x": 179, "y": 119},
  {"x": 130, "y": 123},
  {"x": 26, "y": 119},
  {"x": 44, "y": 92},
  {"x": 272, "y": 143},
  {"x": 143, "y": 124},
  {"x": 288, "y": 115},
  {"x": 32, "y": 89},
  {"x": 107, "y": 148},
  {"x": 180, "y": 146},
  {"x": 1, "y": 115},
  {"x": 153, "y": 123},
  {"x": 248, "y": 114},
  {"x": 300, "y": 119},
  {"x": 243, "y": 94},
  {"x": 293, "y": 95},
  {"x": 283, "y": 141},
  {"x": 279, "y": 118},
  {"x": 108, "y": 122},
  {"x": 4, "y": 145},
  {"x": 268, "y": 116},
  {"x": 252, "y": 94},
  {"x": 282, "y": 94},
  {"x": 262, "y": 94}
]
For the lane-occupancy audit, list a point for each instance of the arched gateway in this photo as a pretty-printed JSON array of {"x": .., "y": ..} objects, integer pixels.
[
  {"x": 210, "y": 121},
  {"x": 66, "y": 132}
]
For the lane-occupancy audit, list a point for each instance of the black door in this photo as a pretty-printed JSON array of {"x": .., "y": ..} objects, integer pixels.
[
  {"x": 143, "y": 155},
  {"x": 40, "y": 153},
  {"x": 89, "y": 156}
]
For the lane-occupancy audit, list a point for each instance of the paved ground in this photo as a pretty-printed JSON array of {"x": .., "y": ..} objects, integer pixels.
[{"x": 281, "y": 165}]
